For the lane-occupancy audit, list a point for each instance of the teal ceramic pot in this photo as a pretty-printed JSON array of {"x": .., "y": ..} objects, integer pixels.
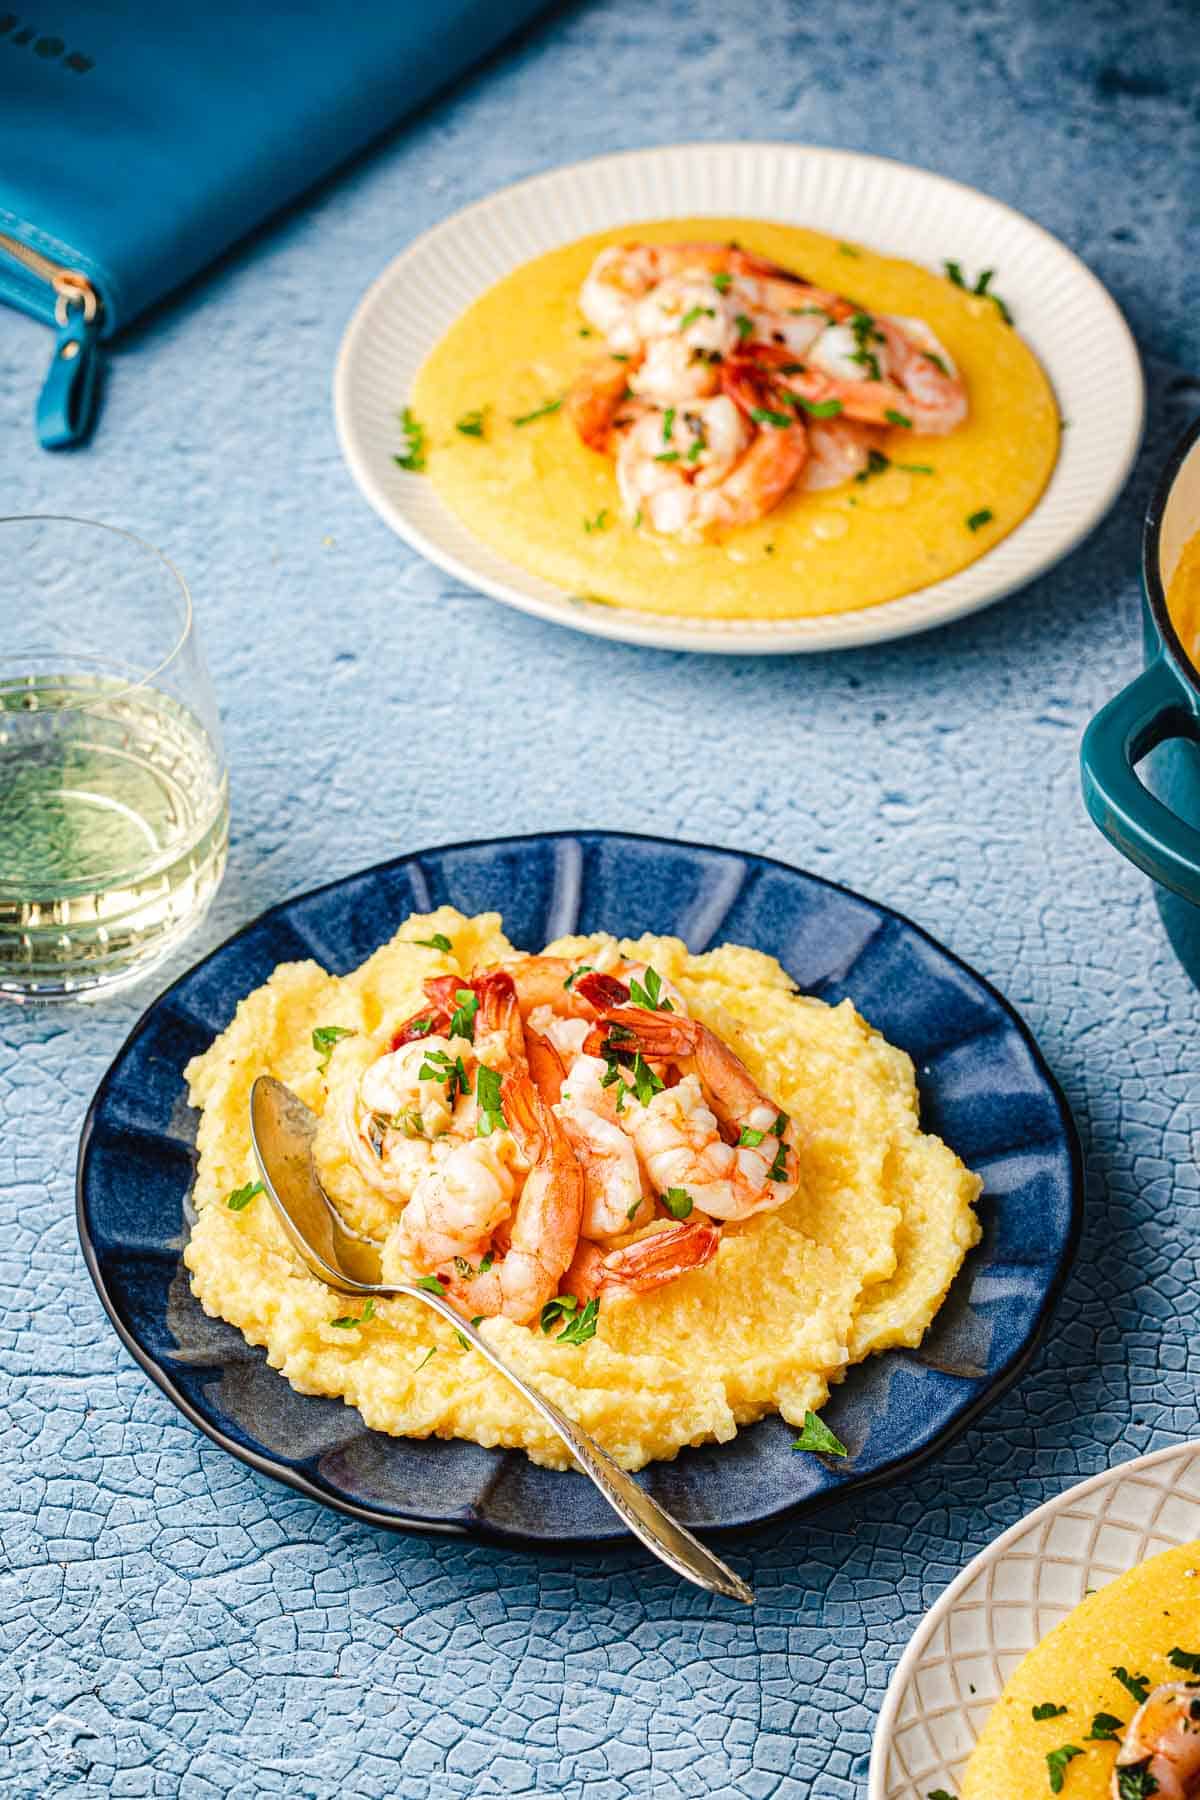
[{"x": 1153, "y": 816}]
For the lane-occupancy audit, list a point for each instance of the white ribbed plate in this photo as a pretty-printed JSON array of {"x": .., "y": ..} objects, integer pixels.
[
  {"x": 1062, "y": 311},
  {"x": 1003, "y": 1603}
]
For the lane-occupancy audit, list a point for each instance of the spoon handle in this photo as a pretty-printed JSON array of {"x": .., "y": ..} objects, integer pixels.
[{"x": 671, "y": 1542}]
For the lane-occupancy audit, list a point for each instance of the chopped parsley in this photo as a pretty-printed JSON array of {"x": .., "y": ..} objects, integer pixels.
[
  {"x": 599, "y": 523},
  {"x": 573, "y": 977},
  {"x": 582, "y": 1326},
  {"x": 984, "y": 516},
  {"x": 745, "y": 326},
  {"x": 347, "y": 1322},
  {"x": 866, "y": 333},
  {"x": 848, "y": 250},
  {"x": 939, "y": 1794},
  {"x": 431, "y": 1284},
  {"x": 1185, "y": 1659},
  {"x": 667, "y": 456},
  {"x": 412, "y": 457},
  {"x": 898, "y": 418},
  {"x": 586, "y": 331},
  {"x": 632, "y": 1212},
  {"x": 763, "y": 415},
  {"x": 819, "y": 409},
  {"x": 678, "y": 1202},
  {"x": 668, "y": 424},
  {"x": 1056, "y": 1764},
  {"x": 1048, "y": 1710},
  {"x": 472, "y": 423},
  {"x": 916, "y": 468},
  {"x": 817, "y": 1436},
  {"x": 696, "y": 312},
  {"x": 324, "y": 1037},
  {"x": 419, "y": 1028},
  {"x": 750, "y": 1139},
  {"x": 722, "y": 283},
  {"x": 983, "y": 287},
  {"x": 1106, "y": 1729},
  {"x": 1137, "y": 1685},
  {"x": 540, "y": 412},
  {"x": 438, "y": 1066},
  {"x": 240, "y": 1198},
  {"x": 559, "y": 1308},
  {"x": 439, "y": 941},
  {"x": 648, "y": 993},
  {"x": 778, "y": 1169},
  {"x": 1135, "y": 1782},
  {"x": 487, "y": 1093},
  {"x": 696, "y": 449},
  {"x": 432, "y": 1351},
  {"x": 462, "y": 1019},
  {"x": 877, "y": 464},
  {"x": 939, "y": 362}
]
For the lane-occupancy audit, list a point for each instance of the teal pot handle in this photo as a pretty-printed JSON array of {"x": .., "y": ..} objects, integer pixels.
[{"x": 1148, "y": 712}]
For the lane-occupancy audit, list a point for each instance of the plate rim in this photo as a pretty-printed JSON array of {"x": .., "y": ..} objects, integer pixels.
[
  {"x": 936, "y": 1613},
  {"x": 265, "y": 1464},
  {"x": 823, "y": 632}
]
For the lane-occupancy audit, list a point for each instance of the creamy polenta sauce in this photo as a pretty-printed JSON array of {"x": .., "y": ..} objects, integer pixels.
[
  {"x": 858, "y": 1260},
  {"x": 1183, "y": 598},
  {"x": 536, "y": 493},
  {"x": 1063, "y": 1723}
]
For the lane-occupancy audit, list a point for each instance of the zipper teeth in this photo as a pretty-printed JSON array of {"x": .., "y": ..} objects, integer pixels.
[{"x": 32, "y": 259}]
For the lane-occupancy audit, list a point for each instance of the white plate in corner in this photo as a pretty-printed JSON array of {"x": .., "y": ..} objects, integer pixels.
[
  {"x": 1003, "y": 1603},
  {"x": 1064, "y": 313}
]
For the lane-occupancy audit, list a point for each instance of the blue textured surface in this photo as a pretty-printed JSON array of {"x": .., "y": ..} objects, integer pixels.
[
  {"x": 173, "y": 1624},
  {"x": 982, "y": 1086}
]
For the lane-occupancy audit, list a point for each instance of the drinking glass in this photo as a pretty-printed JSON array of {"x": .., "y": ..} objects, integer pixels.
[{"x": 114, "y": 807}]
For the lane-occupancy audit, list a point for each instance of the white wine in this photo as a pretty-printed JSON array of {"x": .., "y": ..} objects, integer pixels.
[{"x": 114, "y": 828}]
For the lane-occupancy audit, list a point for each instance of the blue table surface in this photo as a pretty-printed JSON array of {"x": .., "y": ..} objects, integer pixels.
[{"x": 171, "y": 1623}]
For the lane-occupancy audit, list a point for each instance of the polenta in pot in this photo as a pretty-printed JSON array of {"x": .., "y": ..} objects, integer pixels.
[
  {"x": 1107, "y": 1706},
  {"x": 677, "y": 1194},
  {"x": 670, "y": 417}
]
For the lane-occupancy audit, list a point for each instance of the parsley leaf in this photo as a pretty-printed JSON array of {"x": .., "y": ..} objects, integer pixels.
[
  {"x": 722, "y": 282},
  {"x": 778, "y": 1169},
  {"x": 472, "y": 423},
  {"x": 1135, "y": 1782},
  {"x": 764, "y": 415},
  {"x": 1048, "y": 1710},
  {"x": 582, "y": 1327},
  {"x": 898, "y": 418},
  {"x": 877, "y": 464},
  {"x": 939, "y": 1794},
  {"x": 668, "y": 424},
  {"x": 598, "y": 523},
  {"x": 696, "y": 312},
  {"x": 984, "y": 516},
  {"x": 439, "y": 941},
  {"x": 632, "y": 1211},
  {"x": 412, "y": 457},
  {"x": 573, "y": 977},
  {"x": 487, "y": 1093},
  {"x": 348, "y": 1321},
  {"x": 818, "y": 409},
  {"x": 1137, "y": 1685},
  {"x": 745, "y": 326},
  {"x": 678, "y": 1202},
  {"x": 430, "y": 1283},
  {"x": 324, "y": 1038},
  {"x": 559, "y": 1308},
  {"x": 462, "y": 1019},
  {"x": 916, "y": 468},
  {"x": 241, "y": 1197},
  {"x": 645, "y": 1082},
  {"x": 750, "y": 1139},
  {"x": 667, "y": 456},
  {"x": 1106, "y": 1728},
  {"x": 648, "y": 993},
  {"x": 816, "y": 1435},
  {"x": 540, "y": 412},
  {"x": 848, "y": 250},
  {"x": 432, "y": 1351},
  {"x": 954, "y": 274},
  {"x": 1056, "y": 1764}
]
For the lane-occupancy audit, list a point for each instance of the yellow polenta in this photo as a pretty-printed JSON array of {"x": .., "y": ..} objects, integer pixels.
[
  {"x": 528, "y": 490},
  {"x": 1183, "y": 599},
  {"x": 858, "y": 1260},
  {"x": 1133, "y": 1623}
]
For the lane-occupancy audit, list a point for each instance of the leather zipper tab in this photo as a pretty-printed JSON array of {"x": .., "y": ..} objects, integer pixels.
[{"x": 66, "y": 408}]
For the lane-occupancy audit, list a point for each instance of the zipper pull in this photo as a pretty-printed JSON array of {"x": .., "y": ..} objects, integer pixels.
[{"x": 66, "y": 407}]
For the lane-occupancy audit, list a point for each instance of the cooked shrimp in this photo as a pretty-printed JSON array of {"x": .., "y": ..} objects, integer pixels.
[
  {"x": 546, "y": 1067},
  {"x": 879, "y": 371},
  {"x": 1162, "y": 1742},
  {"x": 458, "y": 1203},
  {"x": 613, "y": 1201},
  {"x": 651, "y": 1262},
  {"x": 838, "y": 450},
  {"x": 545, "y": 1226},
  {"x": 499, "y": 1032},
  {"x": 678, "y": 1133},
  {"x": 595, "y": 400},
  {"x": 693, "y": 471}
]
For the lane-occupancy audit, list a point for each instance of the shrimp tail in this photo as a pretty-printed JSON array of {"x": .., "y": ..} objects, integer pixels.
[
  {"x": 652, "y": 1262},
  {"x": 595, "y": 398},
  {"x": 545, "y": 1066}
]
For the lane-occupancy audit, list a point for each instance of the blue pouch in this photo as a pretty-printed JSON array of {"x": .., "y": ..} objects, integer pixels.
[{"x": 139, "y": 142}]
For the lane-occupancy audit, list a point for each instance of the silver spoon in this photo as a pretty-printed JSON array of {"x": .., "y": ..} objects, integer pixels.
[{"x": 282, "y": 1130}]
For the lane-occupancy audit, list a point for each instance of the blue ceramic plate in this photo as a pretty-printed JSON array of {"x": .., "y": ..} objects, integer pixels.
[{"x": 984, "y": 1088}]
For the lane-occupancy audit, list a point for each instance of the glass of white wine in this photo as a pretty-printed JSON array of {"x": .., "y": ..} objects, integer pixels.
[{"x": 114, "y": 800}]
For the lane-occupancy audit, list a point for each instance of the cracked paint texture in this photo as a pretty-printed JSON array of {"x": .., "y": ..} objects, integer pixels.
[{"x": 170, "y": 1623}]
